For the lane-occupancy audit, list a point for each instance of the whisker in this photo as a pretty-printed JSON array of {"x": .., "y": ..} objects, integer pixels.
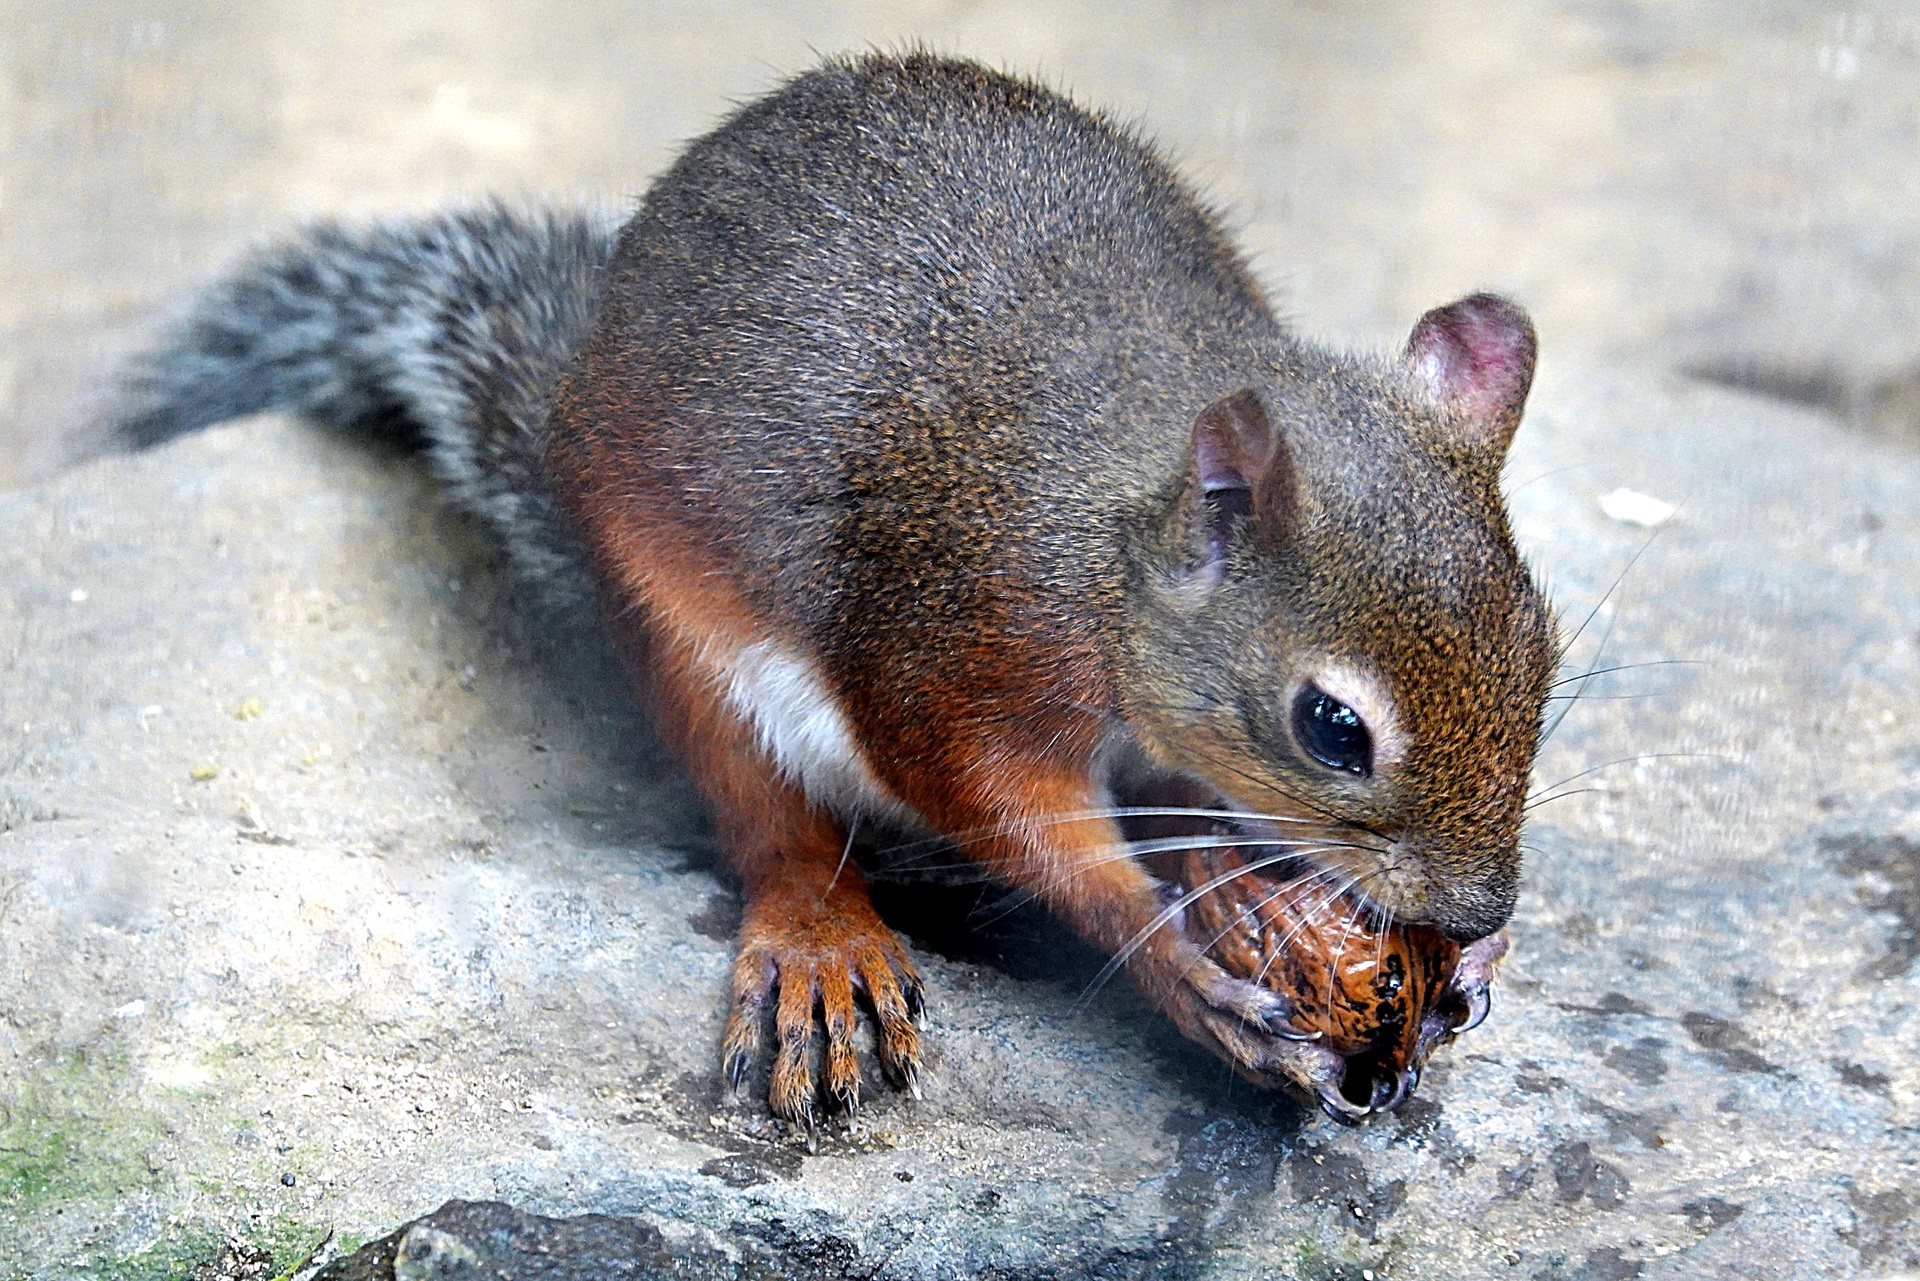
[
  {"x": 1379, "y": 928},
  {"x": 1237, "y": 772},
  {"x": 1114, "y": 852},
  {"x": 1290, "y": 890},
  {"x": 1626, "y": 667},
  {"x": 845, "y": 852},
  {"x": 1169, "y": 913},
  {"x": 1552, "y": 471},
  {"x": 1581, "y": 688},
  {"x": 1540, "y": 794},
  {"x": 976, "y": 835},
  {"x": 1601, "y": 603},
  {"x": 1163, "y": 845},
  {"x": 1326, "y": 900},
  {"x": 1530, "y": 806},
  {"x": 1297, "y": 800},
  {"x": 1285, "y": 888},
  {"x": 1333, "y": 966},
  {"x": 1598, "y": 698}
]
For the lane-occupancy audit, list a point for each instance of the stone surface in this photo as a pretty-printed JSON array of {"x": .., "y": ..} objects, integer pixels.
[
  {"x": 329, "y": 893},
  {"x": 483, "y": 1241},
  {"x": 328, "y": 897}
]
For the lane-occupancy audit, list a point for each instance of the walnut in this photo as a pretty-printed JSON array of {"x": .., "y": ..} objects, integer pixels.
[{"x": 1381, "y": 993}]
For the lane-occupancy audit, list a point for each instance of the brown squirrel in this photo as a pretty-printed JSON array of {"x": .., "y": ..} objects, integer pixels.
[{"x": 938, "y": 462}]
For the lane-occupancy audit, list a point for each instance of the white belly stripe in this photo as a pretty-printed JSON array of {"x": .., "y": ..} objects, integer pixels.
[{"x": 801, "y": 726}]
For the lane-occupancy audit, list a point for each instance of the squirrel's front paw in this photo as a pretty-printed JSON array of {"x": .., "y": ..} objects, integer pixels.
[
  {"x": 1254, "y": 1029},
  {"x": 799, "y": 970}
]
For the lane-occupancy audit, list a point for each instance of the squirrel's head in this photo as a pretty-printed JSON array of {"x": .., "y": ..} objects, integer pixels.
[{"x": 1334, "y": 629}]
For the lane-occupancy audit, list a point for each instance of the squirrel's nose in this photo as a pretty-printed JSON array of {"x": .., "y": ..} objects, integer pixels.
[
  {"x": 1466, "y": 910},
  {"x": 1463, "y": 898}
]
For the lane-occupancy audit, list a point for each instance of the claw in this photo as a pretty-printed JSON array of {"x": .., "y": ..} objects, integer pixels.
[
  {"x": 1403, "y": 1088},
  {"x": 1478, "y": 962},
  {"x": 808, "y": 981},
  {"x": 916, "y": 1000},
  {"x": 804, "y": 1115},
  {"x": 1384, "y": 1095},
  {"x": 1479, "y": 999},
  {"x": 1280, "y": 1023},
  {"x": 1339, "y": 1106}
]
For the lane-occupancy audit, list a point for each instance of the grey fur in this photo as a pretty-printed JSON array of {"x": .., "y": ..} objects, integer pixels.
[{"x": 448, "y": 331}]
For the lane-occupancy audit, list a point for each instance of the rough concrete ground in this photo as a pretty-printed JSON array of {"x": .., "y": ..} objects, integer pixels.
[{"x": 325, "y": 896}]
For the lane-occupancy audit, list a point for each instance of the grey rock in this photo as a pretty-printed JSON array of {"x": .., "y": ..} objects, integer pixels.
[{"x": 442, "y": 922}]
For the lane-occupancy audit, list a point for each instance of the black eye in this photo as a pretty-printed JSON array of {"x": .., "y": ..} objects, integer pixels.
[{"x": 1332, "y": 733}]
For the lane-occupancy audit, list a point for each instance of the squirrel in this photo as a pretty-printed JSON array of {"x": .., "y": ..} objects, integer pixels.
[{"x": 937, "y": 461}]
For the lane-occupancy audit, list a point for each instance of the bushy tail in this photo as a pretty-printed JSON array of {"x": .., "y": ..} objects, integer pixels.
[{"x": 451, "y": 331}]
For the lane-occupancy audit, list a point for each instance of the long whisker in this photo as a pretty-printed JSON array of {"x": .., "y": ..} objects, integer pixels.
[
  {"x": 1541, "y": 794},
  {"x": 1333, "y": 966},
  {"x": 1297, "y": 800},
  {"x": 1601, "y": 603},
  {"x": 1626, "y": 667},
  {"x": 1540, "y": 476},
  {"x": 1599, "y": 698},
  {"x": 1279, "y": 949},
  {"x": 846, "y": 851},
  {"x": 975, "y": 835},
  {"x": 1168, "y": 844},
  {"x": 1096, "y": 856},
  {"x": 1285, "y": 888},
  {"x": 1236, "y": 771},
  {"x": 1171, "y": 912},
  {"x": 1581, "y": 688},
  {"x": 1306, "y": 919},
  {"x": 1378, "y": 925},
  {"x": 1560, "y": 796}
]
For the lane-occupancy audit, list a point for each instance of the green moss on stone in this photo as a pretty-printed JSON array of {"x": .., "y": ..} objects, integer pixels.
[
  {"x": 67, "y": 1133},
  {"x": 189, "y": 1251}
]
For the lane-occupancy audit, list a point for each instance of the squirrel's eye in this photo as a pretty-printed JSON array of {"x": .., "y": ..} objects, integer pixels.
[{"x": 1332, "y": 733}]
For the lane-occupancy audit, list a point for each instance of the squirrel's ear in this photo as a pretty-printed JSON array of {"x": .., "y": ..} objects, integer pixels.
[
  {"x": 1243, "y": 473},
  {"x": 1477, "y": 357}
]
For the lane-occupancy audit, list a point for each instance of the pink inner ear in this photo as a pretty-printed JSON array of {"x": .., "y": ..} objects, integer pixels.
[
  {"x": 1244, "y": 468},
  {"x": 1477, "y": 355}
]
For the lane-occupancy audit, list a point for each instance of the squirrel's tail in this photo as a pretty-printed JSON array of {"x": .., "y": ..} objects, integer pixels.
[{"x": 449, "y": 331}]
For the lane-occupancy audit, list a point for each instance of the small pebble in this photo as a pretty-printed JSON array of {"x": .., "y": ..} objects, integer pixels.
[
  {"x": 1630, "y": 507},
  {"x": 287, "y": 1180}
]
